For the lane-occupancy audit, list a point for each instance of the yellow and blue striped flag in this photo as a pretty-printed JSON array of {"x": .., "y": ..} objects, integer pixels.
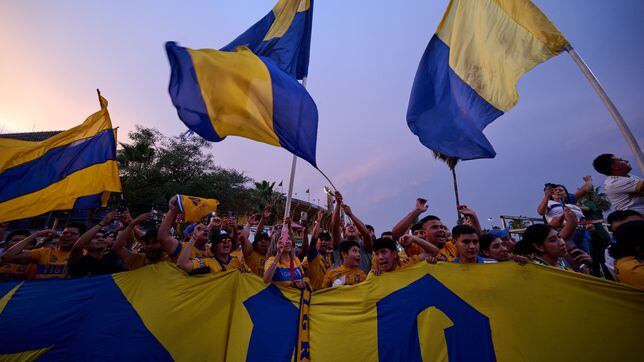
[
  {"x": 74, "y": 169},
  {"x": 468, "y": 74},
  {"x": 237, "y": 93},
  {"x": 284, "y": 35}
]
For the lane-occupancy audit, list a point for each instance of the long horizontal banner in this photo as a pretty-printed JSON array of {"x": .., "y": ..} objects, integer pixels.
[{"x": 427, "y": 312}]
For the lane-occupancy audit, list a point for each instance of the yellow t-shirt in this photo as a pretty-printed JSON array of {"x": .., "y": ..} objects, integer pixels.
[
  {"x": 11, "y": 271},
  {"x": 196, "y": 252},
  {"x": 448, "y": 252},
  {"x": 282, "y": 275},
  {"x": 239, "y": 254},
  {"x": 212, "y": 265},
  {"x": 139, "y": 260},
  {"x": 316, "y": 266},
  {"x": 353, "y": 276},
  {"x": 255, "y": 262},
  {"x": 411, "y": 250},
  {"x": 50, "y": 263},
  {"x": 630, "y": 270}
]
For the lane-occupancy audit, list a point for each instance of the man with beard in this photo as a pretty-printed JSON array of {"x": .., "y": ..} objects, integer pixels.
[
  {"x": 152, "y": 251},
  {"x": 95, "y": 261},
  {"x": 356, "y": 231},
  {"x": 50, "y": 262},
  {"x": 349, "y": 272},
  {"x": 221, "y": 245},
  {"x": 172, "y": 247}
]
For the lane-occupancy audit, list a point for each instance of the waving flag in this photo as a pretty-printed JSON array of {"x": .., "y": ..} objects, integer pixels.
[
  {"x": 195, "y": 208},
  {"x": 71, "y": 170},
  {"x": 284, "y": 35},
  {"x": 468, "y": 74},
  {"x": 238, "y": 93}
]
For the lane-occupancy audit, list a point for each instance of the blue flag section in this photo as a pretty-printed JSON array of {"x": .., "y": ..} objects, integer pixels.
[{"x": 284, "y": 35}]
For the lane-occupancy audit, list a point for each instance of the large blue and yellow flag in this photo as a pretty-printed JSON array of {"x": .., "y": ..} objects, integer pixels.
[
  {"x": 74, "y": 169},
  {"x": 446, "y": 311},
  {"x": 284, "y": 35},
  {"x": 237, "y": 93},
  {"x": 468, "y": 74}
]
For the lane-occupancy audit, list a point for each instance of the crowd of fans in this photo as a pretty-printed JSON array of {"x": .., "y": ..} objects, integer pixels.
[{"x": 573, "y": 237}]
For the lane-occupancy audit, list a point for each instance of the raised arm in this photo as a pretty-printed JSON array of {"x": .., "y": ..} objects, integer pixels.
[
  {"x": 543, "y": 205},
  {"x": 247, "y": 247},
  {"x": 266, "y": 214},
  {"x": 77, "y": 250},
  {"x": 585, "y": 188},
  {"x": 316, "y": 226},
  {"x": 366, "y": 236},
  {"x": 335, "y": 220},
  {"x": 15, "y": 253},
  {"x": 403, "y": 225},
  {"x": 124, "y": 236},
  {"x": 168, "y": 242},
  {"x": 474, "y": 219},
  {"x": 568, "y": 229},
  {"x": 183, "y": 261},
  {"x": 269, "y": 270},
  {"x": 305, "y": 240},
  {"x": 429, "y": 248}
]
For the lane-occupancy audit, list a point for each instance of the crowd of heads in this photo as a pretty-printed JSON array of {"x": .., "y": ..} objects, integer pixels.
[{"x": 344, "y": 250}]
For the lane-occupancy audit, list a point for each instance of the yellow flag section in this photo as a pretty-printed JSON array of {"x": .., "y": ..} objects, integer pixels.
[
  {"x": 76, "y": 168},
  {"x": 224, "y": 316},
  {"x": 482, "y": 312},
  {"x": 195, "y": 208}
]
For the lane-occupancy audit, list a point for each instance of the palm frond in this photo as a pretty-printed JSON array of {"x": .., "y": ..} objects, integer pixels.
[{"x": 450, "y": 161}]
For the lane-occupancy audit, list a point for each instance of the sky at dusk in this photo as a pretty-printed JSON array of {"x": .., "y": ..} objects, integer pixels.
[{"x": 364, "y": 56}]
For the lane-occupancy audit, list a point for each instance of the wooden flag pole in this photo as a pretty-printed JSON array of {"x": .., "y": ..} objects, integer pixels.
[{"x": 617, "y": 117}]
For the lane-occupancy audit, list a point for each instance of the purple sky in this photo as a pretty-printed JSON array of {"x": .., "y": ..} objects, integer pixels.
[{"x": 363, "y": 61}]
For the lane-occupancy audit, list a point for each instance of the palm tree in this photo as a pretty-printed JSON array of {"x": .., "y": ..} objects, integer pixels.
[
  {"x": 265, "y": 191},
  {"x": 517, "y": 224}
]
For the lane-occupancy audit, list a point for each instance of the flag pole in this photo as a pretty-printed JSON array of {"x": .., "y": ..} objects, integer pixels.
[
  {"x": 289, "y": 196},
  {"x": 617, "y": 117}
]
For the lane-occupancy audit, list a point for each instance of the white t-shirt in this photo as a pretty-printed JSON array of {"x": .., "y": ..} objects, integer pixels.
[
  {"x": 554, "y": 210},
  {"x": 622, "y": 193}
]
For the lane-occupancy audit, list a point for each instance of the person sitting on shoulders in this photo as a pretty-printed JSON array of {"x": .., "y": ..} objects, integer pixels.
[
  {"x": 624, "y": 191},
  {"x": 221, "y": 246},
  {"x": 283, "y": 267},
  {"x": 349, "y": 272}
]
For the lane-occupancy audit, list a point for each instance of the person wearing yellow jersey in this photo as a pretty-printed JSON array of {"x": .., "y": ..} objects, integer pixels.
[
  {"x": 629, "y": 253},
  {"x": 319, "y": 256},
  {"x": 388, "y": 260},
  {"x": 284, "y": 268},
  {"x": 221, "y": 244},
  {"x": 198, "y": 234},
  {"x": 50, "y": 262},
  {"x": 13, "y": 271},
  {"x": 349, "y": 272},
  {"x": 152, "y": 251}
]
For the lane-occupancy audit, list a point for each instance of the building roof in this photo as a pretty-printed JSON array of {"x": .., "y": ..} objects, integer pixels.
[{"x": 30, "y": 136}]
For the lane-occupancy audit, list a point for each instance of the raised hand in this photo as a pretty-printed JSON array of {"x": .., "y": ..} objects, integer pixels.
[
  {"x": 173, "y": 204},
  {"x": 141, "y": 218},
  {"x": 466, "y": 211},
  {"x": 421, "y": 205}
]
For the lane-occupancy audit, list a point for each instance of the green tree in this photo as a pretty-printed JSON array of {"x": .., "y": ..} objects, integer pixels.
[
  {"x": 154, "y": 167},
  {"x": 517, "y": 224}
]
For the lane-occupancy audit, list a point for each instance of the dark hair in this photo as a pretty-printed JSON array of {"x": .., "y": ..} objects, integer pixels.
[
  {"x": 523, "y": 248},
  {"x": 417, "y": 226},
  {"x": 324, "y": 235},
  {"x": 261, "y": 236},
  {"x": 386, "y": 233},
  {"x": 603, "y": 163},
  {"x": 384, "y": 243},
  {"x": 428, "y": 218},
  {"x": 629, "y": 238},
  {"x": 486, "y": 240},
  {"x": 16, "y": 232},
  {"x": 533, "y": 235},
  {"x": 346, "y": 245},
  {"x": 620, "y": 215},
  {"x": 459, "y": 230},
  {"x": 216, "y": 237},
  {"x": 82, "y": 229},
  {"x": 150, "y": 235},
  {"x": 370, "y": 228}
]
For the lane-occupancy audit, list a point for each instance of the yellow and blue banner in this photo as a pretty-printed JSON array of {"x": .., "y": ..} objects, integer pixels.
[
  {"x": 195, "y": 208},
  {"x": 75, "y": 169},
  {"x": 468, "y": 74},
  {"x": 283, "y": 35},
  {"x": 426, "y": 312},
  {"x": 237, "y": 93}
]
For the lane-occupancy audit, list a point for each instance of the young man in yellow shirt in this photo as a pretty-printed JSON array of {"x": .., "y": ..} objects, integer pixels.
[
  {"x": 221, "y": 245},
  {"x": 13, "y": 271},
  {"x": 152, "y": 250},
  {"x": 172, "y": 247},
  {"x": 389, "y": 260},
  {"x": 349, "y": 272},
  {"x": 51, "y": 263}
]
